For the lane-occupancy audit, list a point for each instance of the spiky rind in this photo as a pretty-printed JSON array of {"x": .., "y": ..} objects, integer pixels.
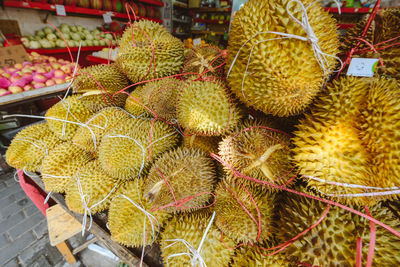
[
  {"x": 97, "y": 100},
  {"x": 258, "y": 151},
  {"x": 208, "y": 144},
  {"x": 159, "y": 96},
  {"x": 147, "y": 51},
  {"x": 110, "y": 77},
  {"x": 96, "y": 187},
  {"x": 333, "y": 241},
  {"x": 283, "y": 75},
  {"x": 126, "y": 221},
  {"x": 88, "y": 137},
  {"x": 232, "y": 219},
  {"x": 61, "y": 164},
  {"x": 73, "y": 111},
  {"x": 188, "y": 172},
  {"x": 191, "y": 227},
  {"x": 205, "y": 107},
  {"x": 255, "y": 257},
  {"x": 30, "y": 146},
  {"x": 124, "y": 150}
]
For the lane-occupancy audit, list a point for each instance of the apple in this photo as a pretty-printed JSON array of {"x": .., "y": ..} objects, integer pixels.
[
  {"x": 59, "y": 73},
  {"x": 66, "y": 69},
  {"x": 18, "y": 66},
  {"x": 4, "y": 92},
  {"x": 7, "y": 75},
  {"x": 40, "y": 70},
  {"x": 56, "y": 66},
  {"x": 58, "y": 80},
  {"x": 52, "y": 59},
  {"x": 39, "y": 85},
  {"x": 15, "y": 89},
  {"x": 39, "y": 78},
  {"x": 50, "y": 83},
  {"x": 15, "y": 78},
  {"x": 28, "y": 87}
]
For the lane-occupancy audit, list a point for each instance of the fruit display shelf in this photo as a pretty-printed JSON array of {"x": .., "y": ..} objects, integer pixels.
[
  {"x": 349, "y": 10},
  {"x": 97, "y": 60},
  {"x": 212, "y": 21},
  {"x": 207, "y": 9},
  {"x": 31, "y": 95},
  {"x": 49, "y": 51},
  {"x": 75, "y": 9}
]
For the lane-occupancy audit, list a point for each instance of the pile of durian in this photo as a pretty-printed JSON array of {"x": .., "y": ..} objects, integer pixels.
[{"x": 180, "y": 156}]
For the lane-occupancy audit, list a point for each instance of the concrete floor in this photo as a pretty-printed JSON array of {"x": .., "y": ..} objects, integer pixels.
[{"x": 24, "y": 237}]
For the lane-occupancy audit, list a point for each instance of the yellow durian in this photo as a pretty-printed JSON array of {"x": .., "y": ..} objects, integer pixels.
[
  {"x": 30, "y": 146},
  {"x": 110, "y": 77},
  {"x": 257, "y": 151},
  {"x": 205, "y": 107},
  {"x": 147, "y": 51},
  {"x": 232, "y": 219},
  {"x": 191, "y": 227},
  {"x": 124, "y": 149},
  {"x": 95, "y": 185},
  {"x": 283, "y": 75},
  {"x": 97, "y": 100},
  {"x": 127, "y": 219},
  {"x": 88, "y": 137},
  {"x": 63, "y": 117},
  {"x": 255, "y": 257},
  {"x": 333, "y": 241},
  {"x": 61, "y": 165},
  {"x": 188, "y": 172},
  {"x": 159, "y": 96}
]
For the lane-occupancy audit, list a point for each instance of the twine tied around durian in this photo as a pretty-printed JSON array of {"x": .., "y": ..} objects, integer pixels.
[
  {"x": 85, "y": 204},
  {"x": 192, "y": 253},
  {"x": 320, "y": 56},
  {"x": 383, "y": 191}
]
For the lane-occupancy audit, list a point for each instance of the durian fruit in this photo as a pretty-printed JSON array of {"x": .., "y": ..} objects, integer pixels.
[
  {"x": 208, "y": 144},
  {"x": 110, "y": 77},
  {"x": 258, "y": 152},
  {"x": 388, "y": 21},
  {"x": 191, "y": 227},
  {"x": 126, "y": 221},
  {"x": 206, "y": 60},
  {"x": 97, "y": 125},
  {"x": 283, "y": 75},
  {"x": 73, "y": 111},
  {"x": 391, "y": 61},
  {"x": 255, "y": 257},
  {"x": 97, "y": 187},
  {"x": 348, "y": 40},
  {"x": 206, "y": 108},
  {"x": 147, "y": 51},
  {"x": 30, "y": 146},
  {"x": 159, "y": 96},
  {"x": 96, "y": 100},
  {"x": 333, "y": 151},
  {"x": 124, "y": 150},
  {"x": 188, "y": 173},
  {"x": 381, "y": 131},
  {"x": 232, "y": 219},
  {"x": 61, "y": 165},
  {"x": 333, "y": 241}
]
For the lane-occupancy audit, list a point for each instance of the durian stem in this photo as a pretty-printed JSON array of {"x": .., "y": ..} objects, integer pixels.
[
  {"x": 191, "y": 141},
  {"x": 154, "y": 191},
  {"x": 260, "y": 162}
]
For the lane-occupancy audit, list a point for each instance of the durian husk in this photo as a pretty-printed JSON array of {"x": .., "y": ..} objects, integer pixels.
[
  {"x": 30, "y": 146},
  {"x": 380, "y": 132},
  {"x": 61, "y": 165},
  {"x": 283, "y": 75},
  {"x": 258, "y": 151},
  {"x": 159, "y": 96},
  {"x": 255, "y": 257},
  {"x": 232, "y": 219},
  {"x": 98, "y": 188},
  {"x": 124, "y": 149},
  {"x": 206, "y": 60},
  {"x": 147, "y": 51},
  {"x": 206, "y": 108},
  {"x": 208, "y": 144},
  {"x": 96, "y": 100},
  {"x": 126, "y": 221},
  {"x": 70, "y": 109},
  {"x": 191, "y": 227},
  {"x": 388, "y": 23},
  {"x": 348, "y": 40},
  {"x": 88, "y": 137},
  {"x": 333, "y": 241},
  {"x": 110, "y": 77},
  {"x": 189, "y": 172}
]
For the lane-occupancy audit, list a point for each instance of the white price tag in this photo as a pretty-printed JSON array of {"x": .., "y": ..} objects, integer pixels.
[
  {"x": 363, "y": 67},
  {"x": 60, "y": 10},
  {"x": 107, "y": 17},
  {"x": 197, "y": 41}
]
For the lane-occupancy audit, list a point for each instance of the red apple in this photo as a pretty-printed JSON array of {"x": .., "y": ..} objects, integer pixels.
[
  {"x": 50, "y": 83},
  {"x": 15, "y": 89},
  {"x": 39, "y": 85},
  {"x": 28, "y": 87},
  {"x": 58, "y": 80}
]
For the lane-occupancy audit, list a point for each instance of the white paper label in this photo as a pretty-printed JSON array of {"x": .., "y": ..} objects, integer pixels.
[
  {"x": 60, "y": 10},
  {"x": 197, "y": 41},
  {"x": 107, "y": 17},
  {"x": 363, "y": 67}
]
